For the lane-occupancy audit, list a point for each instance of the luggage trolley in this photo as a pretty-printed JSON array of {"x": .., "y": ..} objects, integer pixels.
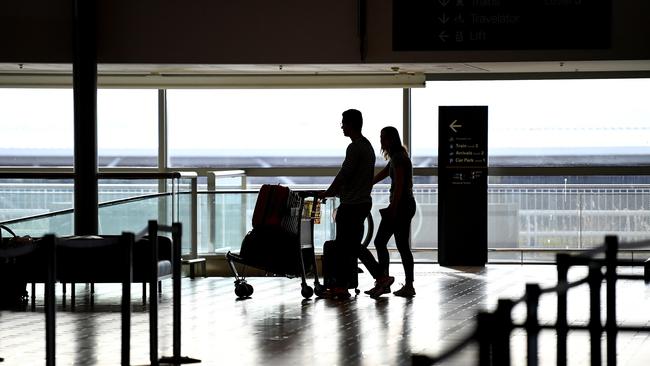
[{"x": 282, "y": 252}]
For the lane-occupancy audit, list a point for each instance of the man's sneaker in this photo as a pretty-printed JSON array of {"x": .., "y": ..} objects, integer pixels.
[
  {"x": 384, "y": 290},
  {"x": 382, "y": 286},
  {"x": 368, "y": 292},
  {"x": 405, "y": 291},
  {"x": 374, "y": 289}
]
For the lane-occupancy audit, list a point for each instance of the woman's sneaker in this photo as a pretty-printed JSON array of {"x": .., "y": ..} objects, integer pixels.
[{"x": 405, "y": 291}]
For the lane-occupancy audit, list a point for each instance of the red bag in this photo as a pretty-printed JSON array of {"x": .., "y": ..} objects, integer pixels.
[{"x": 271, "y": 207}]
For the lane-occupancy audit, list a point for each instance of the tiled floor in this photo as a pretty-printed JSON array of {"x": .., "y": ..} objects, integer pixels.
[{"x": 276, "y": 326}]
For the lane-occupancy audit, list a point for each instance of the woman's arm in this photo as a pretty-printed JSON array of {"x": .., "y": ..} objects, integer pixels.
[
  {"x": 381, "y": 175},
  {"x": 398, "y": 185}
]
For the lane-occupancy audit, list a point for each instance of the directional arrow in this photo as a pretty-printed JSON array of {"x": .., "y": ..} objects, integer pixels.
[
  {"x": 443, "y": 36},
  {"x": 444, "y": 2},
  {"x": 444, "y": 18},
  {"x": 454, "y": 125}
]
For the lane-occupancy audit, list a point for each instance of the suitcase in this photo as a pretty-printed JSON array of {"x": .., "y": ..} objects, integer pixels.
[
  {"x": 274, "y": 251},
  {"x": 274, "y": 209},
  {"x": 332, "y": 257}
]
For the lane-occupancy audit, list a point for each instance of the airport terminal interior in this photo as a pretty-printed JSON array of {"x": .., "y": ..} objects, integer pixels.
[{"x": 137, "y": 138}]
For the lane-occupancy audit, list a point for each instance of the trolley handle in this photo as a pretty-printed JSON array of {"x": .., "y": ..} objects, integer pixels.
[{"x": 315, "y": 200}]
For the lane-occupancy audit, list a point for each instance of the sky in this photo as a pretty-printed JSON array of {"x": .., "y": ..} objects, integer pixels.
[{"x": 526, "y": 116}]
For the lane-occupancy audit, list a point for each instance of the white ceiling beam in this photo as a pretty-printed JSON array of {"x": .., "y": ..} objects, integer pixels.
[{"x": 166, "y": 81}]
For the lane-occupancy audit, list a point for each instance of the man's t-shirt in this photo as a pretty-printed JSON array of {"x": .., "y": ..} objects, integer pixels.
[{"x": 357, "y": 172}]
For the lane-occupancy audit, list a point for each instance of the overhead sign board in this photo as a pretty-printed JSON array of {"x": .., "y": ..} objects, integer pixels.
[{"x": 437, "y": 25}]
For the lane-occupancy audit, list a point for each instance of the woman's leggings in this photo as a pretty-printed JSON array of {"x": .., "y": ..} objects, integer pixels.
[{"x": 400, "y": 226}]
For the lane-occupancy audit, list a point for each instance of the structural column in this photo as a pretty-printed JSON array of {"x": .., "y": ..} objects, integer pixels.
[
  {"x": 406, "y": 120},
  {"x": 84, "y": 73}
]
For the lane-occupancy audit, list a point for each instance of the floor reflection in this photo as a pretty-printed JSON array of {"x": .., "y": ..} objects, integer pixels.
[{"x": 276, "y": 326}]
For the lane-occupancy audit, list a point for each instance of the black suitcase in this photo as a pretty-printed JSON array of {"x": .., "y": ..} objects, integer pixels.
[
  {"x": 332, "y": 257},
  {"x": 274, "y": 251}
]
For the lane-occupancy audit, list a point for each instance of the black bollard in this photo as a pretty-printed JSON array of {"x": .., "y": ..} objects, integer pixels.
[
  {"x": 611, "y": 257},
  {"x": 503, "y": 326},
  {"x": 595, "y": 325},
  {"x": 153, "y": 294},
  {"x": 533, "y": 293},
  {"x": 484, "y": 326},
  {"x": 177, "y": 359},
  {"x": 127, "y": 244},
  {"x": 561, "y": 325},
  {"x": 50, "y": 301}
]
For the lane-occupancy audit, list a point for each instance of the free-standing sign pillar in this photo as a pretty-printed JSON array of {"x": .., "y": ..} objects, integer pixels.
[{"x": 462, "y": 185}]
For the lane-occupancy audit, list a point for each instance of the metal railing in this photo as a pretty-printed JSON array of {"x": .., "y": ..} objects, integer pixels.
[
  {"x": 527, "y": 213},
  {"x": 493, "y": 329},
  {"x": 175, "y": 193}
]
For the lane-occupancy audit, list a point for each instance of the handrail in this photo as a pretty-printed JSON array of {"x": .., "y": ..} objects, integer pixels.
[
  {"x": 146, "y": 175},
  {"x": 64, "y": 173},
  {"x": 71, "y": 210},
  {"x": 24, "y": 174},
  {"x": 603, "y": 248},
  {"x": 570, "y": 170},
  {"x": 35, "y": 175},
  {"x": 227, "y": 173}
]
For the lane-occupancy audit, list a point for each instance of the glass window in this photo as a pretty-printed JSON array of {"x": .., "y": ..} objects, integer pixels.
[
  {"x": 36, "y": 127},
  {"x": 272, "y": 127},
  {"x": 544, "y": 122},
  {"x": 127, "y": 127}
]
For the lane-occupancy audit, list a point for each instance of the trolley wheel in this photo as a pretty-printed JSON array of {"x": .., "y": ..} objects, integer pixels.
[
  {"x": 249, "y": 289},
  {"x": 319, "y": 290},
  {"x": 243, "y": 289},
  {"x": 307, "y": 292},
  {"x": 357, "y": 291}
]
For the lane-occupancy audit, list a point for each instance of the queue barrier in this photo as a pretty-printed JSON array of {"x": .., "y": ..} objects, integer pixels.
[{"x": 493, "y": 329}]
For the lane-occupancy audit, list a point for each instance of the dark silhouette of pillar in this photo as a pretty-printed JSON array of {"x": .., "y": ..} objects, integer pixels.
[{"x": 84, "y": 76}]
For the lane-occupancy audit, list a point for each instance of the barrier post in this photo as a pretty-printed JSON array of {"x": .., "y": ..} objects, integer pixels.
[
  {"x": 484, "y": 324},
  {"x": 561, "y": 324},
  {"x": 595, "y": 327},
  {"x": 503, "y": 326},
  {"x": 176, "y": 358},
  {"x": 533, "y": 293},
  {"x": 153, "y": 294},
  {"x": 176, "y": 281},
  {"x": 611, "y": 253},
  {"x": 50, "y": 301},
  {"x": 127, "y": 243}
]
